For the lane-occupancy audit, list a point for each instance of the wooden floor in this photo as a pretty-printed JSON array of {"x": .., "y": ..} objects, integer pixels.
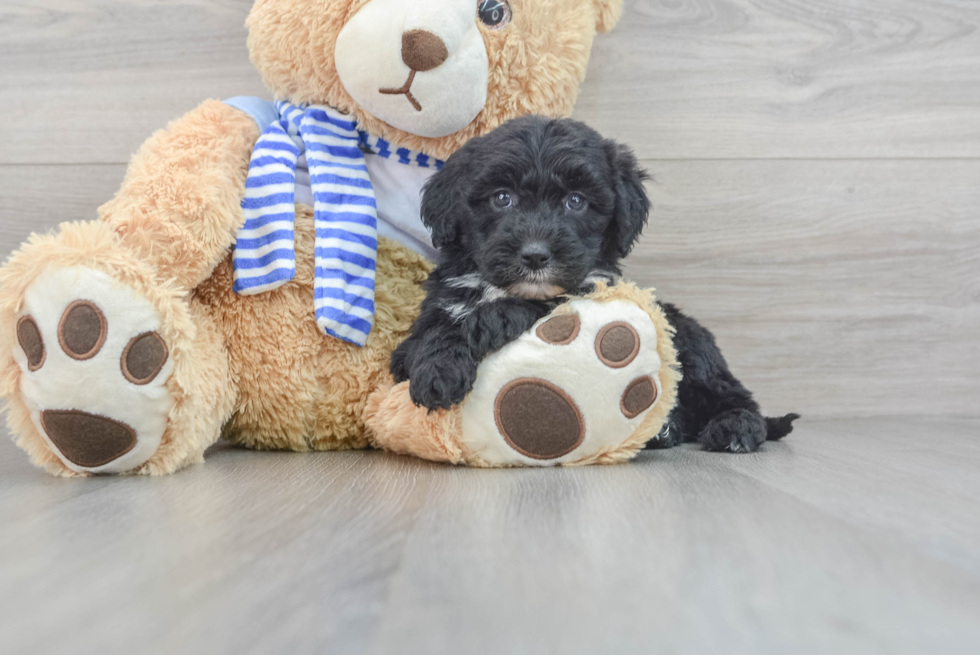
[
  {"x": 817, "y": 191},
  {"x": 852, "y": 536}
]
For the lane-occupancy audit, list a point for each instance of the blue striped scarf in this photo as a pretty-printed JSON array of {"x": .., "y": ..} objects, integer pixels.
[{"x": 344, "y": 212}]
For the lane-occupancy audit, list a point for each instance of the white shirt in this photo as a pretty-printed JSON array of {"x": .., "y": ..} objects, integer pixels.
[{"x": 398, "y": 193}]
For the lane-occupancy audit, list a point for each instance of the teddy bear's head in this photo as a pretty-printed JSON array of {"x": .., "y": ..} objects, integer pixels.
[{"x": 428, "y": 74}]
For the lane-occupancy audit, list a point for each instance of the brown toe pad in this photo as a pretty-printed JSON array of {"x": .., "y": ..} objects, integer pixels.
[
  {"x": 617, "y": 344},
  {"x": 144, "y": 357},
  {"x": 560, "y": 330},
  {"x": 639, "y": 396},
  {"x": 29, "y": 337},
  {"x": 538, "y": 419},
  {"x": 86, "y": 439},
  {"x": 82, "y": 330}
]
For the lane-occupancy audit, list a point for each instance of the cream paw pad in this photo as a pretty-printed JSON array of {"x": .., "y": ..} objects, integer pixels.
[
  {"x": 94, "y": 370},
  {"x": 580, "y": 385}
]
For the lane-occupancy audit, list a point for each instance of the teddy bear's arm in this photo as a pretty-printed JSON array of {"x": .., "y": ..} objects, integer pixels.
[{"x": 179, "y": 206}]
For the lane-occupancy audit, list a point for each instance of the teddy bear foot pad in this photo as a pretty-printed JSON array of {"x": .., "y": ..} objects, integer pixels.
[
  {"x": 589, "y": 384},
  {"x": 579, "y": 383},
  {"x": 94, "y": 370}
]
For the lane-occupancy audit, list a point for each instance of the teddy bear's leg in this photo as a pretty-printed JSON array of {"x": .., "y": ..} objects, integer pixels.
[
  {"x": 396, "y": 424},
  {"x": 106, "y": 369},
  {"x": 107, "y": 361},
  {"x": 590, "y": 383}
]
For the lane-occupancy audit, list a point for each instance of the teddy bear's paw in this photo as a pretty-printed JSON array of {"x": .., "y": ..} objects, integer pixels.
[
  {"x": 578, "y": 384},
  {"x": 95, "y": 368}
]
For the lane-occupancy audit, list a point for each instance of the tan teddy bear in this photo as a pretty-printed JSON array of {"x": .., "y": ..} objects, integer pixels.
[{"x": 131, "y": 343}]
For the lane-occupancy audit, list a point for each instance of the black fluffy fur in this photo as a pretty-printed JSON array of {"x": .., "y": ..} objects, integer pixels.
[
  {"x": 504, "y": 267},
  {"x": 713, "y": 407}
]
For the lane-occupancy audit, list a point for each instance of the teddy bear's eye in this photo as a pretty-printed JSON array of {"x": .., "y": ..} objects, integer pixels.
[{"x": 495, "y": 14}]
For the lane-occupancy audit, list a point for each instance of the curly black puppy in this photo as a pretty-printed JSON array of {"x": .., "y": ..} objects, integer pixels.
[{"x": 537, "y": 209}]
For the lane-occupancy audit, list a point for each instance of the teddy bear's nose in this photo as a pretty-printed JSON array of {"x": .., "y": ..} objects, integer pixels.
[{"x": 422, "y": 51}]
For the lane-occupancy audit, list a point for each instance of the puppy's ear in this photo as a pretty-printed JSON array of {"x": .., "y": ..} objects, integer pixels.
[
  {"x": 632, "y": 205},
  {"x": 444, "y": 197}
]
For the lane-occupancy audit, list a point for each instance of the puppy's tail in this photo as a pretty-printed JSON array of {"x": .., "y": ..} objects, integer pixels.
[{"x": 777, "y": 428}]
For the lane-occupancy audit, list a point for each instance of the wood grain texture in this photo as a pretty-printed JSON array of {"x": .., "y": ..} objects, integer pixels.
[
  {"x": 790, "y": 79},
  {"x": 834, "y": 287},
  {"x": 87, "y": 81},
  {"x": 37, "y": 198},
  {"x": 849, "y": 537},
  {"x": 677, "y": 78}
]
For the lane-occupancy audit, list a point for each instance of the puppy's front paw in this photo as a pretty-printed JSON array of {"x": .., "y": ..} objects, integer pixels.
[
  {"x": 439, "y": 384},
  {"x": 400, "y": 362}
]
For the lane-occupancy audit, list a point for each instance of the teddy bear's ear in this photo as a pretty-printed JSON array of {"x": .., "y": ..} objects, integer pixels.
[{"x": 607, "y": 14}]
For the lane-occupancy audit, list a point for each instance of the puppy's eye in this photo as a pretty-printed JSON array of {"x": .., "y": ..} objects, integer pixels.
[
  {"x": 502, "y": 199},
  {"x": 495, "y": 14},
  {"x": 576, "y": 202}
]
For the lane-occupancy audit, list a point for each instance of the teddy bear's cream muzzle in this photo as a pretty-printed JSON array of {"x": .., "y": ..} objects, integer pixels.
[{"x": 421, "y": 67}]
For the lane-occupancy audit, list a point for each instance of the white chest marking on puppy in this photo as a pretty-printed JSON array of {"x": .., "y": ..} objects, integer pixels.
[
  {"x": 468, "y": 281},
  {"x": 491, "y": 293},
  {"x": 457, "y": 311}
]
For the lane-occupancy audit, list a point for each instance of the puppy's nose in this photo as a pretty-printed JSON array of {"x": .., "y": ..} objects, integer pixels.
[
  {"x": 535, "y": 256},
  {"x": 422, "y": 51}
]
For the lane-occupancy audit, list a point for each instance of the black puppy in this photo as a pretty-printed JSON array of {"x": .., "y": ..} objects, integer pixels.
[{"x": 537, "y": 209}]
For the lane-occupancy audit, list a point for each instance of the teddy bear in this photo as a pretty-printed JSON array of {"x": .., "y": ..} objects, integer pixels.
[{"x": 262, "y": 260}]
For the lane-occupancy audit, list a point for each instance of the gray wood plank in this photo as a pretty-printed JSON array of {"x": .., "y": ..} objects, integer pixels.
[
  {"x": 667, "y": 555},
  {"x": 39, "y": 198},
  {"x": 679, "y": 551},
  {"x": 787, "y": 79},
  {"x": 837, "y": 288},
  {"x": 88, "y": 80},
  {"x": 174, "y": 565},
  {"x": 888, "y": 474}
]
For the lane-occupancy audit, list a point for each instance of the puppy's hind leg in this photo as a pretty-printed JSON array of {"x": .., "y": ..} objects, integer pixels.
[
  {"x": 779, "y": 427},
  {"x": 715, "y": 409},
  {"x": 673, "y": 433},
  {"x": 744, "y": 430},
  {"x": 737, "y": 431},
  {"x": 719, "y": 413}
]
